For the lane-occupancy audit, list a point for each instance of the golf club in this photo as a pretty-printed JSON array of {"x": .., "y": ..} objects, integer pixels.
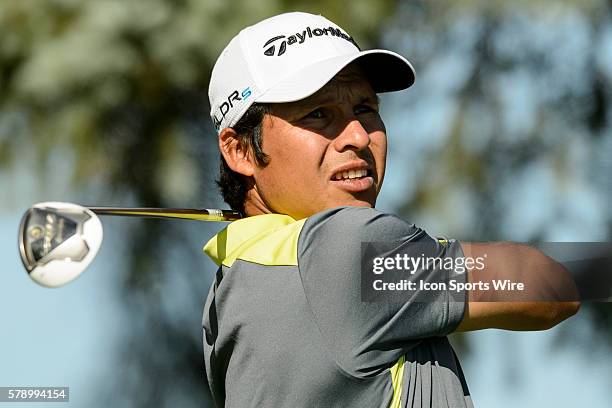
[{"x": 58, "y": 241}]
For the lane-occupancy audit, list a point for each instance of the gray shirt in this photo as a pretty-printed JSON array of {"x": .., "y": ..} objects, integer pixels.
[{"x": 285, "y": 324}]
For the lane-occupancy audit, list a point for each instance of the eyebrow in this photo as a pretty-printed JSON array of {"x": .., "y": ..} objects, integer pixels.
[{"x": 325, "y": 99}]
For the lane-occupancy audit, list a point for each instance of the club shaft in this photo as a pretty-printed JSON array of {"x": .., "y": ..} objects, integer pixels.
[{"x": 182, "y": 213}]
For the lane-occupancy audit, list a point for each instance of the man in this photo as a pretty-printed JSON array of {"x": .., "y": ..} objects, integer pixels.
[{"x": 287, "y": 322}]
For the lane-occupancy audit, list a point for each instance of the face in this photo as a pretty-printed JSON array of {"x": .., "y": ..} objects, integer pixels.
[{"x": 325, "y": 151}]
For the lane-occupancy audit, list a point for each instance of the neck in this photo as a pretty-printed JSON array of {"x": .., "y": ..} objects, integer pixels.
[{"x": 254, "y": 205}]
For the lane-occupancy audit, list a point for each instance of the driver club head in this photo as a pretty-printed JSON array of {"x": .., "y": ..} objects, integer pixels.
[{"x": 57, "y": 241}]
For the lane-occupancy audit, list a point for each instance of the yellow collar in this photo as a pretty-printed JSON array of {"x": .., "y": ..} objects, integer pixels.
[{"x": 243, "y": 232}]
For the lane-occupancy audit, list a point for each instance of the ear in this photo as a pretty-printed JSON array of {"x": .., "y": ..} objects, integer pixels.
[{"x": 236, "y": 155}]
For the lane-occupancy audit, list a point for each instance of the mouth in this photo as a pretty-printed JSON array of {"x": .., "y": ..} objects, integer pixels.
[
  {"x": 350, "y": 174},
  {"x": 354, "y": 178}
]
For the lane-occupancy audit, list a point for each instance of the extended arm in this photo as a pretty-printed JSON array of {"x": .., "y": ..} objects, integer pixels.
[{"x": 549, "y": 296}]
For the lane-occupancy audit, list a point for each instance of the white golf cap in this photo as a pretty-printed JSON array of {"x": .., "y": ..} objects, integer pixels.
[{"x": 289, "y": 57}]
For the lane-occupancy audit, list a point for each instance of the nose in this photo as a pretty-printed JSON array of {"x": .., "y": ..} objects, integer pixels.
[{"x": 354, "y": 137}]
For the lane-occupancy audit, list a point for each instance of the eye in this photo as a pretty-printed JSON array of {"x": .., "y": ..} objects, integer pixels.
[
  {"x": 315, "y": 114},
  {"x": 361, "y": 109}
]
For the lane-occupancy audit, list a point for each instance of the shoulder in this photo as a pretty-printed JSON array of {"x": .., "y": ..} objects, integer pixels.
[{"x": 361, "y": 223}]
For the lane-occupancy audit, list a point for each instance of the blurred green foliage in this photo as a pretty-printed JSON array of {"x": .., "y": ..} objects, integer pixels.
[
  {"x": 107, "y": 77},
  {"x": 506, "y": 134}
]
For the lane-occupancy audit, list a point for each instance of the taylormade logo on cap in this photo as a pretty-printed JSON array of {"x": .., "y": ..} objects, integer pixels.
[
  {"x": 299, "y": 38},
  {"x": 289, "y": 57}
]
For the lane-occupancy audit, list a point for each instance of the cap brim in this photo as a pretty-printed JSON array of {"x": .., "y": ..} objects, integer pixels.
[{"x": 387, "y": 71}]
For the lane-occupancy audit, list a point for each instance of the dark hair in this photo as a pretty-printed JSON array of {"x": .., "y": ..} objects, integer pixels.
[{"x": 234, "y": 186}]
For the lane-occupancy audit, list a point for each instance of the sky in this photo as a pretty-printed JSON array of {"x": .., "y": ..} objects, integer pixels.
[{"x": 57, "y": 337}]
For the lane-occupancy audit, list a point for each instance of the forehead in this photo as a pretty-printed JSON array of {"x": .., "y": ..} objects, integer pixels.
[{"x": 350, "y": 84}]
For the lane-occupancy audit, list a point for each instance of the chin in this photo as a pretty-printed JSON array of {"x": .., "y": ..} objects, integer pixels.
[{"x": 355, "y": 203}]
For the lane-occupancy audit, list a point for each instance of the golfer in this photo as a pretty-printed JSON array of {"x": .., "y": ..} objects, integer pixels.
[{"x": 288, "y": 321}]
